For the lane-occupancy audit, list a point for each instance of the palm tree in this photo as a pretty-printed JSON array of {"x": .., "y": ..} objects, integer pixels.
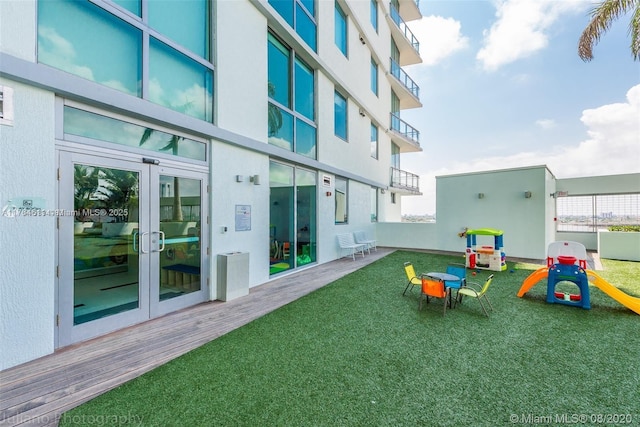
[
  {"x": 172, "y": 145},
  {"x": 601, "y": 18}
]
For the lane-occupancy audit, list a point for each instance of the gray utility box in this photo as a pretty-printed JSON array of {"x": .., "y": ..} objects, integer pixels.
[{"x": 233, "y": 275}]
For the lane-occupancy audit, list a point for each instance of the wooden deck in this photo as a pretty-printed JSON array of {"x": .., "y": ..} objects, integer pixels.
[{"x": 37, "y": 393}]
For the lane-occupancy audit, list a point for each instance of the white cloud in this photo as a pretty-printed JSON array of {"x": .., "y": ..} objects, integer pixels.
[
  {"x": 439, "y": 38},
  {"x": 546, "y": 123},
  {"x": 521, "y": 29},
  {"x": 612, "y": 147}
]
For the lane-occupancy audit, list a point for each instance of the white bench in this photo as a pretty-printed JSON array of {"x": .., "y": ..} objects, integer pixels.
[
  {"x": 347, "y": 243},
  {"x": 361, "y": 237}
]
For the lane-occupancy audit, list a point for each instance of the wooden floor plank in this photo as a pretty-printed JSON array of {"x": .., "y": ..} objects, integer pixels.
[{"x": 37, "y": 393}]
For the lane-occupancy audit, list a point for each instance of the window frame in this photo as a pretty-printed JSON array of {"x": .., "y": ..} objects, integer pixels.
[
  {"x": 345, "y": 219},
  {"x": 297, "y": 117},
  {"x": 336, "y": 95},
  {"x": 339, "y": 13}
]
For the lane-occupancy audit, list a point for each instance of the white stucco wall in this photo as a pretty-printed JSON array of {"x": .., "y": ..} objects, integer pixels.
[
  {"x": 27, "y": 244},
  {"x": 503, "y": 206},
  {"x": 241, "y": 69},
  {"x": 227, "y": 162},
  {"x": 18, "y": 29}
]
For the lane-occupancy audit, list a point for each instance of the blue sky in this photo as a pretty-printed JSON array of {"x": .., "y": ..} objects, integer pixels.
[{"x": 502, "y": 86}]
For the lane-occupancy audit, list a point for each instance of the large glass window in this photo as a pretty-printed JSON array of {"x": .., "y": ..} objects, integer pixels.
[
  {"x": 75, "y": 36},
  {"x": 165, "y": 15},
  {"x": 300, "y": 15},
  {"x": 291, "y": 108},
  {"x": 342, "y": 201},
  {"x": 395, "y": 156},
  {"x": 87, "y": 40},
  {"x": 374, "y": 141},
  {"x": 340, "y": 115},
  {"x": 341, "y": 29},
  {"x": 102, "y": 128},
  {"x": 179, "y": 82}
]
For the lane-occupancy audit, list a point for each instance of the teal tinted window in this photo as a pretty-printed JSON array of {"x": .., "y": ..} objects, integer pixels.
[
  {"x": 374, "y": 77},
  {"x": 374, "y": 14},
  {"x": 341, "y": 30},
  {"x": 283, "y": 117},
  {"x": 284, "y": 8},
  {"x": 193, "y": 15},
  {"x": 103, "y": 128},
  {"x": 309, "y": 5},
  {"x": 306, "y": 27},
  {"x": 304, "y": 90},
  {"x": 279, "y": 71},
  {"x": 179, "y": 83},
  {"x": 75, "y": 36},
  {"x": 299, "y": 14},
  {"x": 305, "y": 139},
  {"x": 340, "y": 116},
  {"x": 132, "y": 6},
  {"x": 281, "y": 128}
]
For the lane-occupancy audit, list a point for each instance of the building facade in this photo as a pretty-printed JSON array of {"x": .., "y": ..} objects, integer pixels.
[{"x": 142, "y": 143}]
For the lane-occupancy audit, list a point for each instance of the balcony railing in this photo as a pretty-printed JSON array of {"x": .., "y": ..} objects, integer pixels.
[
  {"x": 395, "y": 17},
  {"x": 404, "y": 78},
  {"x": 405, "y": 180},
  {"x": 403, "y": 128}
]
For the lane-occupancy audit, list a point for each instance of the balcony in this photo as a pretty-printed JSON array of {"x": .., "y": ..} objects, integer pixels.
[
  {"x": 406, "y": 137},
  {"x": 407, "y": 43},
  {"x": 410, "y": 9},
  {"x": 405, "y": 181},
  {"x": 404, "y": 87}
]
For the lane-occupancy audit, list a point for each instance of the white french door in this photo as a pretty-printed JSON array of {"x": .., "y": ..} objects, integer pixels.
[{"x": 131, "y": 243}]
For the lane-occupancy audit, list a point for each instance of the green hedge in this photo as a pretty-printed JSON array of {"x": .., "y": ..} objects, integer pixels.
[{"x": 635, "y": 228}]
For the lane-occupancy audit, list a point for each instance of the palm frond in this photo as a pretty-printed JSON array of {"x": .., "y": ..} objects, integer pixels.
[
  {"x": 634, "y": 31},
  {"x": 602, "y": 16}
]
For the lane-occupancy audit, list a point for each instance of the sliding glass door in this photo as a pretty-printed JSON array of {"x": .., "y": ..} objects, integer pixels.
[{"x": 292, "y": 217}]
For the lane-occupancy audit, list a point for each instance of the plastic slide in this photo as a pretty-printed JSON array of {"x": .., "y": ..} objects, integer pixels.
[
  {"x": 535, "y": 277},
  {"x": 632, "y": 303}
]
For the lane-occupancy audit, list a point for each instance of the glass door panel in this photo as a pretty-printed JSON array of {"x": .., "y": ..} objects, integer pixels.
[
  {"x": 105, "y": 230},
  {"x": 281, "y": 220},
  {"x": 180, "y": 257},
  {"x": 305, "y": 217}
]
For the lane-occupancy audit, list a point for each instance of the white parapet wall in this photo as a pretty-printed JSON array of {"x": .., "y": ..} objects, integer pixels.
[{"x": 619, "y": 245}]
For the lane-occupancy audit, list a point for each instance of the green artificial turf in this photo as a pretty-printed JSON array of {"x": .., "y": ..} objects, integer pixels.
[{"x": 358, "y": 353}]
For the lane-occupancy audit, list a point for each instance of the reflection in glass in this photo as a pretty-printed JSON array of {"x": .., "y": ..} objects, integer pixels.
[
  {"x": 180, "y": 207},
  {"x": 305, "y": 217},
  {"x": 279, "y": 72},
  {"x": 105, "y": 242},
  {"x": 283, "y": 136},
  {"x": 306, "y": 27},
  {"x": 304, "y": 82},
  {"x": 305, "y": 139},
  {"x": 95, "y": 126},
  {"x": 340, "y": 116},
  {"x": 133, "y": 6},
  {"x": 73, "y": 36},
  {"x": 341, "y": 201},
  {"x": 341, "y": 29},
  {"x": 281, "y": 228},
  {"x": 192, "y": 14},
  {"x": 179, "y": 83}
]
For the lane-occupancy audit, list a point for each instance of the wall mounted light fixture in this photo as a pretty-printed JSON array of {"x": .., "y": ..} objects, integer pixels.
[
  {"x": 527, "y": 194},
  {"x": 239, "y": 178},
  {"x": 480, "y": 195},
  {"x": 255, "y": 179},
  {"x": 361, "y": 111}
]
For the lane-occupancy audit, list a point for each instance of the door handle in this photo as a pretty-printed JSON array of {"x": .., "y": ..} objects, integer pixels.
[
  {"x": 142, "y": 251},
  {"x": 161, "y": 233},
  {"x": 135, "y": 241}
]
